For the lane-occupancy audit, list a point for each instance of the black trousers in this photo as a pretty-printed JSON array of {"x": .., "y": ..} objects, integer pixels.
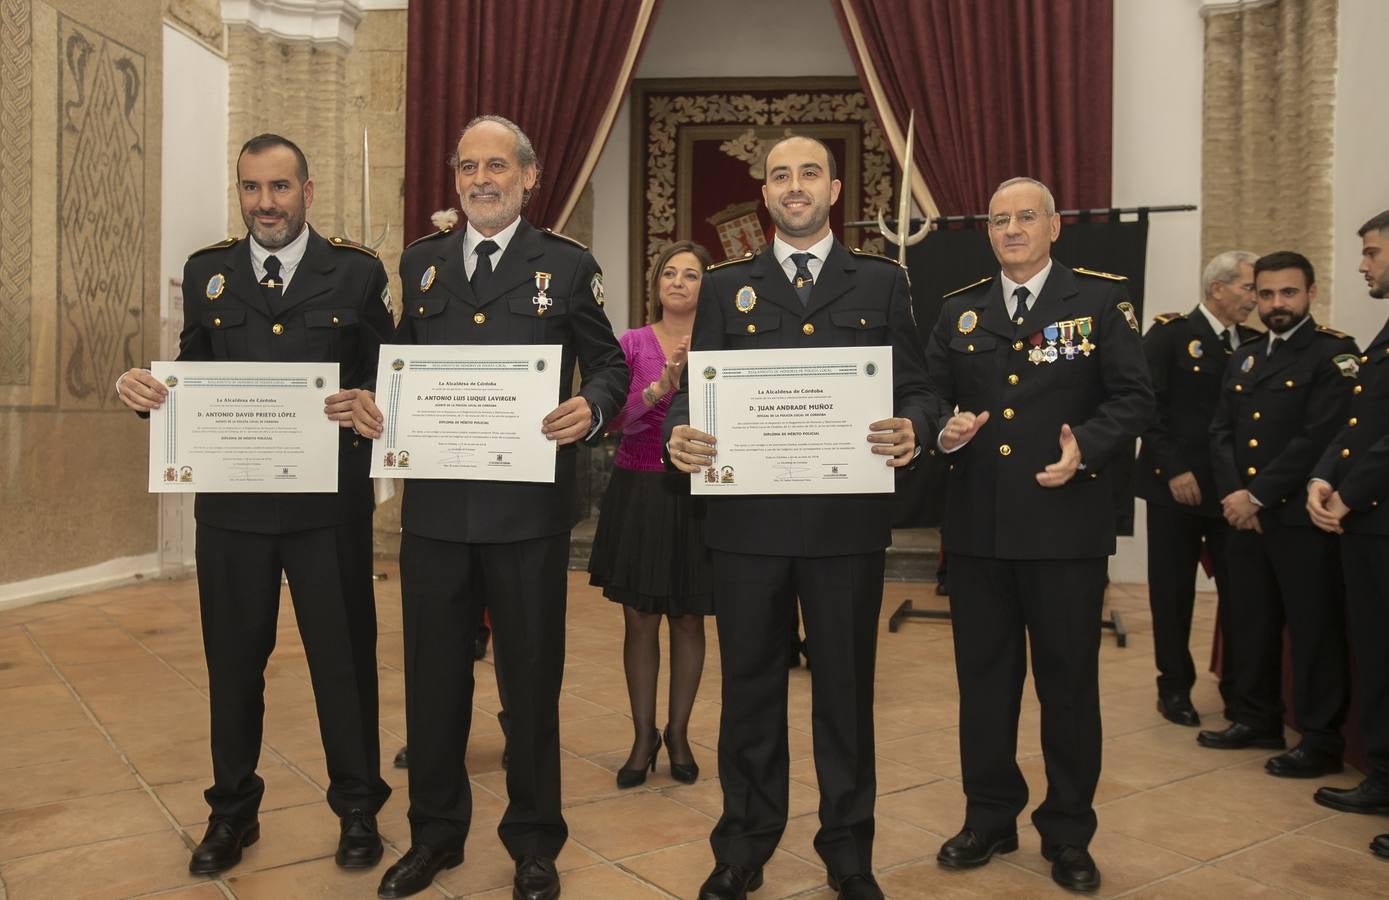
[
  {"x": 523, "y": 585},
  {"x": 998, "y": 607},
  {"x": 840, "y": 598},
  {"x": 1174, "y": 553},
  {"x": 1365, "y": 561},
  {"x": 1287, "y": 576},
  {"x": 329, "y": 572}
]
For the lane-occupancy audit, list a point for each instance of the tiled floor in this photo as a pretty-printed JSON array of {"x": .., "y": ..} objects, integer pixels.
[{"x": 103, "y": 759}]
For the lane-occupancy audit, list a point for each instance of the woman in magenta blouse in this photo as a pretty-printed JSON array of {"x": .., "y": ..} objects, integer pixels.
[{"x": 648, "y": 552}]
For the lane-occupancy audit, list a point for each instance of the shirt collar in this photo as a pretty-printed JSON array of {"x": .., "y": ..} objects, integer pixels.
[
  {"x": 1288, "y": 335},
  {"x": 1216, "y": 325},
  {"x": 289, "y": 255},
  {"x": 820, "y": 249},
  {"x": 472, "y": 237},
  {"x": 1034, "y": 284}
]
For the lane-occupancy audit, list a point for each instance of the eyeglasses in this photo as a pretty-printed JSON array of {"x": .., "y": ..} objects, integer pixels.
[{"x": 1026, "y": 218}]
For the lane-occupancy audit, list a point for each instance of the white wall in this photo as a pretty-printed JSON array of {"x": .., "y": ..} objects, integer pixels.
[
  {"x": 1158, "y": 49},
  {"x": 771, "y": 38},
  {"x": 1360, "y": 186}
]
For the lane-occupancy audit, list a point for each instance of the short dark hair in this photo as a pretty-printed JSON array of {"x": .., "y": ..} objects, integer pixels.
[
  {"x": 1378, "y": 223},
  {"x": 1286, "y": 259},
  {"x": 654, "y": 311},
  {"x": 262, "y": 142},
  {"x": 834, "y": 169}
]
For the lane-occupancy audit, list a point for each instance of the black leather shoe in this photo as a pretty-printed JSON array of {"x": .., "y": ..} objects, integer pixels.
[
  {"x": 415, "y": 871},
  {"x": 402, "y": 759},
  {"x": 970, "y": 849},
  {"x": 1177, "y": 708},
  {"x": 1299, "y": 762},
  {"x": 536, "y": 879},
  {"x": 730, "y": 883},
  {"x": 359, "y": 844},
  {"x": 1380, "y": 846},
  {"x": 1367, "y": 797},
  {"x": 1072, "y": 868},
  {"x": 856, "y": 887},
  {"x": 1240, "y": 737},
  {"x": 221, "y": 845}
]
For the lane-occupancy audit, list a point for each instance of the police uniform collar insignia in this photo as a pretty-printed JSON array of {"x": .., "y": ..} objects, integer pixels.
[
  {"x": 1194, "y": 350},
  {"x": 1247, "y": 364},
  {"x": 968, "y": 321},
  {"x": 541, "y": 300},
  {"x": 215, "y": 285},
  {"x": 745, "y": 299},
  {"x": 427, "y": 279}
]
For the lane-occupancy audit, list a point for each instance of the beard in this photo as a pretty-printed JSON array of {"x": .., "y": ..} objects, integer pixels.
[
  {"x": 278, "y": 235},
  {"x": 1380, "y": 289},
  {"x": 815, "y": 217},
  {"x": 492, "y": 208},
  {"x": 1280, "y": 320}
]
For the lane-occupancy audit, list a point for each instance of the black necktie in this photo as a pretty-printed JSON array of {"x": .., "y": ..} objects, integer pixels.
[
  {"x": 804, "y": 281},
  {"x": 1226, "y": 340},
  {"x": 482, "y": 272},
  {"x": 1020, "y": 295},
  {"x": 272, "y": 283},
  {"x": 1273, "y": 344}
]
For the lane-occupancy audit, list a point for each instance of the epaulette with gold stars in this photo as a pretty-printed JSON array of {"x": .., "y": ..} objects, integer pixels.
[
  {"x": 431, "y": 236},
  {"x": 869, "y": 254},
  {"x": 1326, "y": 329},
  {"x": 967, "y": 287},
  {"x": 566, "y": 238},
  {"x": 353, "y": 245},
  {"x": 1169, "y": 318},
  {"x": 1079, "y": 271},
  {"x": 220, "y": 245},
  {"x": 746, "y": 257}
]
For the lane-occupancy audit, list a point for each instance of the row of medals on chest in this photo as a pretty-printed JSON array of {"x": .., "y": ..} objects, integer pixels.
[
  {"x": 1065, "y": 339},
  {"x": 541, "y": 300}
]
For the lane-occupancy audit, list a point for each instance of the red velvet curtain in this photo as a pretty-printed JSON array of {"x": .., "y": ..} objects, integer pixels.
[
  {"x": 551, "y": 66},
  {"x": 1000, "y": 88}
]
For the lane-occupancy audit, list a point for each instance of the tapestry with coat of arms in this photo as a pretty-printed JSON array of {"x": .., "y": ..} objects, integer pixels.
[{"x": 698, "y": 153}]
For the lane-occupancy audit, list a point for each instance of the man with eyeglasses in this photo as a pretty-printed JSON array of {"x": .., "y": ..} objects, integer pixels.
[
  {"x": 1186, "y": 360},
  {"x": 1042, "y": 379}
]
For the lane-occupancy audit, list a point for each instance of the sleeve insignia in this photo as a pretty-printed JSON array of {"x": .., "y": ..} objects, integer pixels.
[
  {"x": 1126, "y": 308},
  {"x": 596, "y": 286},
  {"x": 1347, "y": 363}
]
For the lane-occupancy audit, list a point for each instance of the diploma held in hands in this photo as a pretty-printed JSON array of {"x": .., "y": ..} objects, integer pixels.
[
  {"x": 244, "y": 427},
  {"x": 791, "y": 421},
  {"x": 467, "y": 411}
]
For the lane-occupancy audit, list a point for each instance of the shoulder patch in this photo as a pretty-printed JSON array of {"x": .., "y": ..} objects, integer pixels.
[
  {"x": 431, "y": 236},
  {"x": 566, "y": 238},
  {"x": 1169, "y": 318},
  {"x": 746, "y": 257},
  {"x": 1079, "y": 271},
  {"x": 1348, "y": 364},
  {"x": 869, "y": 254},
  {"x": 973, "y": 284},
  {"x": 353, "y": 245},
  {"x": 220, "y": 245},
  {"x": 1333, "y": 332}
]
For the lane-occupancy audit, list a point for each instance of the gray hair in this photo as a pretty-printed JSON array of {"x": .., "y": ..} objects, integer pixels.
[
  {"x": 525, "y": 151},
  {"x": 1224, "y": 268},
  {"x": 1048, "y": 201}
]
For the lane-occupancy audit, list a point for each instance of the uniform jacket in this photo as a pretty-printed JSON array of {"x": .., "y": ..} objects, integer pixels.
[
  {"x": 1186, "y": 361},
  {"x": 857, "y": 300},
  {"x": 980, "y": 360},
  {"x": 440, "y": 308},
  {"x": 334, "y": 310},
  {"x": 1277, "y": 415},
  {"x": 1357, "y": 462}
]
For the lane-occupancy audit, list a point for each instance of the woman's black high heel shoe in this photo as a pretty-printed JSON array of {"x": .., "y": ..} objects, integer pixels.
[
  {"x": 629, "y": 778},
  {"x": 682, "y": 772}
]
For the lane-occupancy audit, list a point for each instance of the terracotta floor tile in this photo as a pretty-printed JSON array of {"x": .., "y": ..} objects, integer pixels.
[
  {"x": 1209, "y": 883},
  {"x": 72, "y": 823},
  {"x": 998, "y": 879},
  {"x": 487, "y": 866},
  {"x": 121, "y": 868},
  {"x": 1354, "y": 832},
  {"x": 318, "y": 878},
  {"x": 682, "y": 869},
  {"x": 51, "y": 747},
  {"x": 85, "y": 776},
  {"x": 1312, "y": 867},
  {"x": 283, "y": 788},
  {"x": 626, "y": 826},
  {"x": 39, "y": 707},
  {"x": 1177, "y": 821},
  {"x": 1125, "y": 863}
]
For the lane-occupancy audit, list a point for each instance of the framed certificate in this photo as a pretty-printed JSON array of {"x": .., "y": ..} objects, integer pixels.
[
  {"x": 791, "y": 421},
  {"x": 468, "y": 411},
  {"x": 244, "y": 427}
]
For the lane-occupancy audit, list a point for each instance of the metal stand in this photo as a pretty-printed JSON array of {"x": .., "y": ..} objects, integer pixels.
[{"x": 1113, "y": 622}]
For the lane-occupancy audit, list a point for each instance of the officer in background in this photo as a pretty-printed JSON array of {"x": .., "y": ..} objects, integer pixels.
[
  {"x": 1045, "y": 366},
  {"x": 1349, "y": 496},
  {"x": 804, "y": 291},
  {"x": 285, "y": 294},
  {"x": 1186, "y": 360},
  {"x": 499, "y": 281},
  {"x": 1282, "y": 400}
]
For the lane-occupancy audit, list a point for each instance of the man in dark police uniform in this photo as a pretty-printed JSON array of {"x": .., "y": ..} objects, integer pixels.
[
  {"x": 804, "y": 291},
  {"x": 285, "y": 294},
  {"x": 1045, "y": 367},
  {"x": 499, "y": 281},
  {"x": 1186, "y": 354}
]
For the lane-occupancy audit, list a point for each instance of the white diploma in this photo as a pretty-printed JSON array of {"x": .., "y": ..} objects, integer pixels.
[
  {"x": 791, "y": 421},
  {"x": 468, "y": 411},
  {"x": 244, "y": 427}
]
